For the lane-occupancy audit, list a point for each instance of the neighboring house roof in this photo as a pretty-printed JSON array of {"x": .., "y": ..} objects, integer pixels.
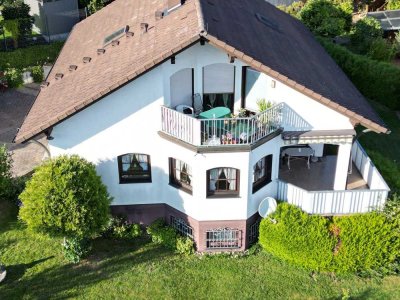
[
  {"x": 389, "y": 19},
  {"x": 278, "y": 45}
]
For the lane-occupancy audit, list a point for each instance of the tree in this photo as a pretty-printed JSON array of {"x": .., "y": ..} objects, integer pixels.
[
  {"x": 365, "y": 31},
  {"x": 65, "y": 197},
  {"x": 16, "y": 13},
  {"x": 323, "y": 18},
  {"x": 95, "y": 5}
]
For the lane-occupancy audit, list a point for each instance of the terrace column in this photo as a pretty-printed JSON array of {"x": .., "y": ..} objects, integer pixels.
[{"x": 342, "y": 166}]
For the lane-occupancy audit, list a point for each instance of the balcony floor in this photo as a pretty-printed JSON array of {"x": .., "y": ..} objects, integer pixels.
[{"x": 319, "y": 177}]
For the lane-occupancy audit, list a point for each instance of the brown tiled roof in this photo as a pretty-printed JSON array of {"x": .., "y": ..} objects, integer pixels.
[{"x": 83, "y": 74}]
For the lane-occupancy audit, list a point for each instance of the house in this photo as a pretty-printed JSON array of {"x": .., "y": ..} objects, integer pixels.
[
  {"x": 54, "y": 19},
  {"x": 145, "y": 90}
]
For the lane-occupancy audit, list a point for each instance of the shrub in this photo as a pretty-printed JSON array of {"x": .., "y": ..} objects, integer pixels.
[
  {"x": 65, "y": 197},
  {"x": 378, "y": 81},
  {"x": 32, "y": 56},
  {"x": 368, "y": 242},
  {"x": 37, "y": 73},
  {"x": 382, "y": 50},
  {"x": 75, "y": 248},
  {"x": 393, "y": 4},
  {"x": 292, "y": 9},
  {"x": 324, "y": 19},
  {"x": 364, "y": 32},
  {"x": 301, "y": 239},
  {"x": 184, "y": 245},
  {"x": 14, "y": 77},
  {"x": 120, "y": 228},
  {"x": 162, "y": 234},
  {"x": 357, "y": 243},
  {"x": 6, "y": 181}
]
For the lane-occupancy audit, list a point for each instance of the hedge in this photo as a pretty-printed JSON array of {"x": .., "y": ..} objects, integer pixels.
[
  {"x": 31, "y": 56},
  {"x": 357, "y": 243},
  {"x": 378, "y": 81}
]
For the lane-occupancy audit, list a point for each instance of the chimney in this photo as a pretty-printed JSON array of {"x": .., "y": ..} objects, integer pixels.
[
  {"x": 73, "y": 67},
  {"x": 144, "y": 27}
]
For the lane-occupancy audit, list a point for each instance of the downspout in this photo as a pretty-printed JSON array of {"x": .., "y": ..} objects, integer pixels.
[{"x": 43, "y": 146}]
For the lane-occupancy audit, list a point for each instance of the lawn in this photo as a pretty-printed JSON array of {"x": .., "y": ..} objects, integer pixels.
[{"x": 141, "y": 270}]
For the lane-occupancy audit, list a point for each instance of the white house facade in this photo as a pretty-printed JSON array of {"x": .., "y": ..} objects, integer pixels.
[{"x": 185, "y": 140}]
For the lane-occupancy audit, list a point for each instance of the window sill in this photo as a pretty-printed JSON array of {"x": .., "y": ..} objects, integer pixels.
[
  {"x": 216, "y": 196},
  {"x": 177, "y": 186},
  {"x": 135, "y": 181}
]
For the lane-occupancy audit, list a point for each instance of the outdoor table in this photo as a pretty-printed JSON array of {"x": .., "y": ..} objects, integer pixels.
[
  {"x": 215, "y": 113},
  {"x": 298, "y": 152}
]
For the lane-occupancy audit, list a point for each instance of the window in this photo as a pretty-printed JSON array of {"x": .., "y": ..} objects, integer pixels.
[
  {"x": 134, "y": 168},
  {"x": 254, "y": 88},
  {"x": 262, "y": 173},
  {"x": 223, "y": 239},
  {"x": 180, "y": 174},
  {"x": 182, "y": 227},
  {"x": 223, "y": 182},
  {"x": 254, "y": 232}
]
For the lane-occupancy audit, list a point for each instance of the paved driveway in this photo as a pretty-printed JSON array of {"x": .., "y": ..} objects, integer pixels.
[{"x": 14, "y": 105}]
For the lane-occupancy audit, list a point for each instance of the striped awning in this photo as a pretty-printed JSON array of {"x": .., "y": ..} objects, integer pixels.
[{"x": 318, "y": 137}]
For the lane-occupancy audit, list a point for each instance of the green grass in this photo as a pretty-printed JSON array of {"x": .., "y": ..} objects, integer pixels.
[{"x": 142, "y": 270}]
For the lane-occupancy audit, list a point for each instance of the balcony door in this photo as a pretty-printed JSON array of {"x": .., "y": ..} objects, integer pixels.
[
  {"x": 254, "y": 88},
  {"x": 181, "y": 87},
  {"x": 218, "y": 86}
]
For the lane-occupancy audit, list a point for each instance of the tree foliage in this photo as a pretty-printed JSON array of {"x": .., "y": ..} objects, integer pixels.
[
  {"x": 95, "y": 5},
  {"x": 364, "y": 32},
  {"x": 5, "y": 173},
  {"x": 323, "y": 18},
  {"x": 65, "y": 197}
]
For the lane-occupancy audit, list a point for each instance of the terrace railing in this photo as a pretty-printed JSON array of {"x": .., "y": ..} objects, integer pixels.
[
  {"x": 230, "y": 131},
  {"x": 332, "y": 202}
]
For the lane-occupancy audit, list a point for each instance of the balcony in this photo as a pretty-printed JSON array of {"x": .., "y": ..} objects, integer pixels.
[
  {"x": 232, "y": 131},
  {"x": 366, "y": 188}
]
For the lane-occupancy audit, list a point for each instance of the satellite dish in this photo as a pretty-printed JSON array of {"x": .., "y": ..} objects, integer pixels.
[{"x": 267, "y": 207}]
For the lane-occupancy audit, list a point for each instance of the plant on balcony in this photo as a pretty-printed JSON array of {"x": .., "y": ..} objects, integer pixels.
[{"x": 263, "y": 104}]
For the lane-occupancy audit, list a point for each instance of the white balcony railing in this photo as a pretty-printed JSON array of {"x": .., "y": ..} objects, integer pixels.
[
  {"x": 341, "y": 202},
  {"x": 230, "y": 131}
]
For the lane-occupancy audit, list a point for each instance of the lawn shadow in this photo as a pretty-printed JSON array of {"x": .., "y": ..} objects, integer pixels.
[
  {"x": 109, "y": 258},
  {"x": 16, "y": 272}
]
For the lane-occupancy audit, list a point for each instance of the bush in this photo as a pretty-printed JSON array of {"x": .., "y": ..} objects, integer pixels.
[
  {"x": 65, "y": 197},
  {"x": 32, "y": 56},
  {"x": 120, "y": 228},
  {"x": 298, "y": 238},
  {"x": 382, "y": 50},
  {"x": 367, "y": 242},
  {"x": 14, "y": 77},
  {"x": 75, "y": 248},
  {"x": 356, "y": 243},
  {"x": 6, "y": 181},
  {"x": 364, "y": 32},
  {"x": 37, "y": 73},
  {"x": 292, "y": 9},
  {"x": 163, "y": 234},
  {"x": 378, "y": 81},
  {"x": 324, "y": 19},
  {"x": 393, "y": 4},
  {"x": 184, "y": 245}
]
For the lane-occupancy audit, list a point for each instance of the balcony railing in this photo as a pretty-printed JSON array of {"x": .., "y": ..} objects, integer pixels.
[
  {"x": 341, "y": 202},
  {"x": 230, "y": 131}
]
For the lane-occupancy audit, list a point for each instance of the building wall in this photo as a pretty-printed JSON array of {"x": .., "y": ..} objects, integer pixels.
[{"x": 128, "y": 121}]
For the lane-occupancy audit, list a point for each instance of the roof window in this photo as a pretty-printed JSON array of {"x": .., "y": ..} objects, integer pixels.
[{"x": 116, "y": 34}]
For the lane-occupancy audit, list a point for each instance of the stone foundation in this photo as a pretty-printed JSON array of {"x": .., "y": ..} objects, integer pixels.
[{"x": 147, "y": 213}]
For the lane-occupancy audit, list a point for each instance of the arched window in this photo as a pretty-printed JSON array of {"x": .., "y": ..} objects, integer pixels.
[
  {"x": 134, "y": 167},
  {"x": 180, "y": 174},
  {"x": 223, "y": 182},
  {"x": 262, "y": 172}
]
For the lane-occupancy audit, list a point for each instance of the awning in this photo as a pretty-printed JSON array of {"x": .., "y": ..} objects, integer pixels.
[{"x": 319, "y": 137}]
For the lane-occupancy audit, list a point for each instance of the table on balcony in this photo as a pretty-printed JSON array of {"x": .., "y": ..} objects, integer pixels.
[{"x": 215, "y": 113}]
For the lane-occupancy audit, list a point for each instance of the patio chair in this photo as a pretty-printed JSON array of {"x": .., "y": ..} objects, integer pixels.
[{"x": 185, "y": 109}]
